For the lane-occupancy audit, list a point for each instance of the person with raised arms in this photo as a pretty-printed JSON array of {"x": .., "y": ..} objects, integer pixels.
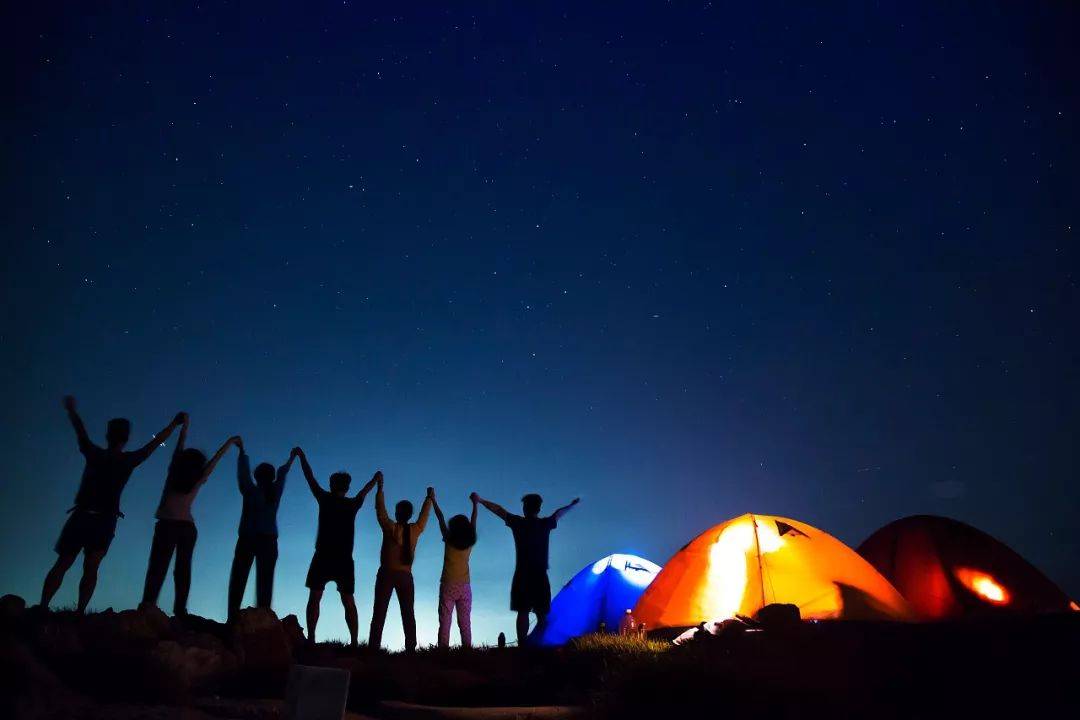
[
  {"x": 92, "y": 524},
  {"x": 455, "y": 590},
  {"x": 395, "y": 565},
  {"x": 175, "y": 531},
  {"x": 257, "y": 539},
  {"x": 333, "y": 558},
  {"x": 530, "y": 591}
]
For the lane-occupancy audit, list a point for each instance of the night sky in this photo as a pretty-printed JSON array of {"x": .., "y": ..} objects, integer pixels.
[{"x": 683, "y": 260}]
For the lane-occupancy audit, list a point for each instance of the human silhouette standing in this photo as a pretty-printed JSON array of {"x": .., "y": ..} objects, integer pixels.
[
  {"x": 92, "y": 524},
  {"x": 530, "y": 590},
  {"x": 175, "y": 532},
  {"x": 395, "y": 565},
  {"x": 455, "y": 590},
  {"x": 333, "y": 558},
  {"x": 257, "y": 539}
]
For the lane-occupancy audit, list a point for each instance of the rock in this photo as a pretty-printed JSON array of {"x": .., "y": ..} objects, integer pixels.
[
  {"x": 12, "y": 608},
  {"x": 28, "y": 688},
  {"x": 293, "y": 631},
  {"x": 261, "y": 643},
  {"x": 185, "y": 669},
  {"x": 126, "y": 631},
  {"x": 57, "y": 639}
]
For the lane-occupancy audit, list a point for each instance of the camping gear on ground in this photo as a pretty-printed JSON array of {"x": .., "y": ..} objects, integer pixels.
[
  {"x": 947, "y": 569},
  {"x": 739, "y": 566}
]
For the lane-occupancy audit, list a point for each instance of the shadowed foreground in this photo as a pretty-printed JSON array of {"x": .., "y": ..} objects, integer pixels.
[{"x": 143, "y": 664}]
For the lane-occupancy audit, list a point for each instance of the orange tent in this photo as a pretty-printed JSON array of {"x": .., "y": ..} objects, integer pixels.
[
  {"x": 947, "y": 569},
  {"x": 750, "y": 561}
]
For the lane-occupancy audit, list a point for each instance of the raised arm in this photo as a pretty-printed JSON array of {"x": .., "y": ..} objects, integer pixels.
[
  {"x": 282, "y": 473},
  {"x": 425, "y": 510},
  {"x": 243, "y": 470},
  {"x": 475, "y": 506},
  {"x": 209, "y": 469},
  {"x": 494, "y": 507},
  {"x": 558, "y": 514},
  {"x": 155, "y": 442},
  {"x": 362, "y": 495},
  {"x": 439, "y": 517},
  {"x": 380, "y": 506},
  {"x": 308, "y": 475},
  {"x": 76, "y": 422},
  {"x": 181, "y": 442}
]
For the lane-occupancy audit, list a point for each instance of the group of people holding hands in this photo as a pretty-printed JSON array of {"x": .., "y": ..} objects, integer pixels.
[{"x": 92, "y": 524}]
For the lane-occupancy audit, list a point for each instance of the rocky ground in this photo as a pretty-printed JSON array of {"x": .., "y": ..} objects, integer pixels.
[{"x": 143, "y": 664}]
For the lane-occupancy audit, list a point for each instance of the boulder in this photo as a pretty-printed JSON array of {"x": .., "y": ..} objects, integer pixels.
[
  {"x": 126, "y": 631},
  {"x": 261, "y": 643},
  {"x": 180, "y": 670},
  {"x": 294, "y": 632},
  {"x": 12, "y": 608},
  {"x": 57, "y": 639}
]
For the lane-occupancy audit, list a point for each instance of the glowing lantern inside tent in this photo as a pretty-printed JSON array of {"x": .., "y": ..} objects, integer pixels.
[
  {"x": 983, "y": 585},
  {"x": 1074, "y": 606}
]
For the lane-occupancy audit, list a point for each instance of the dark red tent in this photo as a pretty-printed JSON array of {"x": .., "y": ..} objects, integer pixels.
[{"x": 946, "y": 569}]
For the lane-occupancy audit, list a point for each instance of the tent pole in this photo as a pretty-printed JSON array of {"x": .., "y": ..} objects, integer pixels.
[{"x": 757, "y": 548}]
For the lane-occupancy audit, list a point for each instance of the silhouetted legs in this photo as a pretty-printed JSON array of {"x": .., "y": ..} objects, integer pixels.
[
  {"x": 265, "y": 561},
  {"x": 313, "y": 601},
  {"x": 348, "y": 602},
  {"x": 170, "y": 536},
  {"x": 185, "y": 548},
  {"x": 243, "y": 557},
  {"x": 261, "y": 550},
  {"x": 387, "y": 582},
  {"x": 523, "y": 625},
  {"x": 55, "y": 577},
  {"x": 91, "y": 562}
]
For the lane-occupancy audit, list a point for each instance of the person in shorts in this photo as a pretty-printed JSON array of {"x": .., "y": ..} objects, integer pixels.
[
  {"x": 92, "y": 524},
  {"x": 530, "y": 591},
  {"x": 333, "y": 558}
]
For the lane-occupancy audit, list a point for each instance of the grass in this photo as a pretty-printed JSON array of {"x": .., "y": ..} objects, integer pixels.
[{"x": 618, "y": 644}]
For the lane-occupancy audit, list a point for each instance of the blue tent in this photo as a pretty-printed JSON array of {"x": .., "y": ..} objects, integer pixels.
[{"x": 600, "y": 592}]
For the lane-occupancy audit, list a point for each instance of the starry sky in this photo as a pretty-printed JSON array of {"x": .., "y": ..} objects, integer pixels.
[{"x": 685, "y": 260}]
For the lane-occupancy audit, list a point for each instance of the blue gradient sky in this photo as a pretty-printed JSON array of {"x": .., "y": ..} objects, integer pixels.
[{"x": 683, "y": 261}]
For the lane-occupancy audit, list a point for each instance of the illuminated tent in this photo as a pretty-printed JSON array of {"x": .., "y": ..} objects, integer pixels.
[
  {"x": 750, "y": 561},
  {"x": 946, "y": 569},
  {"x": 602, "y": 591}
]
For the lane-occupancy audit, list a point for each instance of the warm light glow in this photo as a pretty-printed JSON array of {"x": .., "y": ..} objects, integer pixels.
[
  {"x": 983, "y": 585},
  {"x": 1074, "y": 606},
  {"x": 728, "y": 558}
]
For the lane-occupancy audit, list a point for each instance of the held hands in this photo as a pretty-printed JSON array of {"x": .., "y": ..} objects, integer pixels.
[
  {"x": 474, "y": 497},
  {"x": 379, "y": 479},
  {"x": 237, "y": 441},
  {"x": 295, "y": 452},
  {"x": 69, "y": 403},
  {"x": 182, "y": 418},
  {"x": 431, "y": 493}
]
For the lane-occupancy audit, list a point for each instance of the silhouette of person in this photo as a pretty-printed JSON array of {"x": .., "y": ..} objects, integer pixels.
[
  {"x": 530, "y": 590},
  {"x": 455, "y": 591},
  {"x": 92, "y": 524},
  {"x": 395, "y": 565},
  {"x": 175, "y": 530},
  {"x": 333, "y": 558},
  {"x": 257, "y": 540}
]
